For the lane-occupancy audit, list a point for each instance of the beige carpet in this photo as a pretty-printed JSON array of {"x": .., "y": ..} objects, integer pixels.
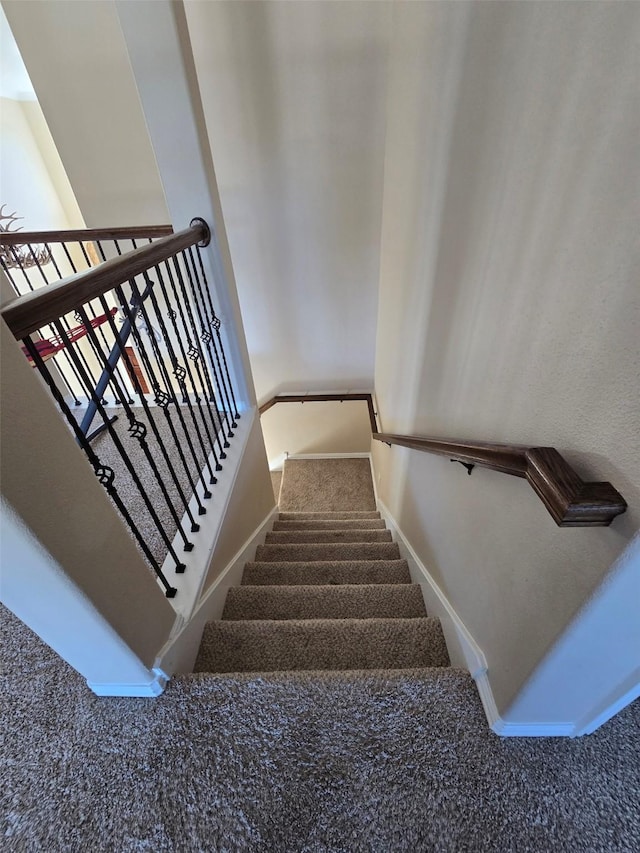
[
  {"x": 319, "y": 485},
  {"x": 369, "y": 762}
]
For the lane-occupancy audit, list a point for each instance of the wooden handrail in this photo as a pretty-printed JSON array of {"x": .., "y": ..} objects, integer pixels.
[
  {"x": 323, "y": 398},
  {"x": 28, "y": 313},
  {"x": 135, "y": 232},
  {"x": 570, "y": 501}
]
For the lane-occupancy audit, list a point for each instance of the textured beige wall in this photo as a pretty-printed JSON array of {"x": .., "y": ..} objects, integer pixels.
[
  {"x": 53, "y": 491},
  {"x": 77, "y": 60},
  {"x": 293, "y": 95},
  {"x": 251, "y": 501},
  {"x": 290, "y": 428},
  {"x": 509, "y": 300}
]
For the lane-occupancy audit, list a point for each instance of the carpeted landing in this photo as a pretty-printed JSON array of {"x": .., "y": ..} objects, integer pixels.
[{"x": 355, "y": 762}]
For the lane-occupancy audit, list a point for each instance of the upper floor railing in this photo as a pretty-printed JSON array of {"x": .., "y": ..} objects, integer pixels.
[
  {"x": 142, "y": 337},
  {"x": 571, "y": 501}
]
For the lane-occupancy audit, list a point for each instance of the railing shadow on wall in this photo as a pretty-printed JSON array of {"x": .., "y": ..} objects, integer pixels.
[
  {"x": 570, "y": 501},
  {"x": 139, "y": 335}
]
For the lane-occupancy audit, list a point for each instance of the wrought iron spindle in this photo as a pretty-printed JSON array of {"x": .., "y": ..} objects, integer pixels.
[
  {"x": 49, "y": 327},
  {"x": 195, "y": 353},
  {"x": 180, "y": 371},
  {"x": 216, "y": 326},
  {"x": 208, "y": 339},
  {"x": 180, "y": 567},
  {"x": 105, "y": 475},
  {"x": 167, "y": 379},
  {"x": 138, "y": 431},
  {"x": 162, "y": 399},
  {"x": 152, "y": 422}
]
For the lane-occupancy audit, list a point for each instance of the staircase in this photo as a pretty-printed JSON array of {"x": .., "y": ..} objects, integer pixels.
[{"x": 328, "y": 591}]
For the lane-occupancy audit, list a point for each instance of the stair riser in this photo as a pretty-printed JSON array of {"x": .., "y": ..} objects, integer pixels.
[
  {"x": 347, "y": 572},
  {"x": 313, "y": 516},
  {"x": 365, "y": 601},
  {"x": 303, "y": 552},
  {"x": 332, "y": 524},
  {"x": 322, "y": 644},
  {"x": 313, "y": 536}
]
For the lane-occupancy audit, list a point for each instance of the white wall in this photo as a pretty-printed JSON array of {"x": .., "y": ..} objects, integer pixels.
[
  {"x": 509, "y": 302},
  {"x": 77, "y": 60},
  {"x": 316, "y": 427},
  {"x": 293, "y": 95},
  {"x": 26, "y": 186}
]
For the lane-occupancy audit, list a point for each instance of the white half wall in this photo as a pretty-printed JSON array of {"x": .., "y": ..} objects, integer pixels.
[{"x": 70, "y": 570}]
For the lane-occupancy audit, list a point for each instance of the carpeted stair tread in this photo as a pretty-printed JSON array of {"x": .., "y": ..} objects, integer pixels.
[
  {"x": 312, "y": 516},
  {"x": 283, "y": 537},
  {"x": 316, "y": 485},
  {"x": 321, "y": 644},
  {"x": 303, "y": 551},
  {"x": 332, "y": 524},
  {"x": 327, "y": 572},
  {"x": 347, "y": 601}
]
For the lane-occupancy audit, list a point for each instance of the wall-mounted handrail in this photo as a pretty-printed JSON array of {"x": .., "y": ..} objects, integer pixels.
[
  {"x": 323, "y": 398},
  {"x": 26, "y": 314},
  {"x": 570, "y": 501},
  {"x": 135, "y": 232}
]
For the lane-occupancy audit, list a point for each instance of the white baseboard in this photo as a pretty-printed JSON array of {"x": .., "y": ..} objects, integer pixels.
[
  {"x": 463, "y": 649},
  {"x": 151, "y": 689},
  {"x": 464, "y": 652},
  {"x": 180, "y": 652}
]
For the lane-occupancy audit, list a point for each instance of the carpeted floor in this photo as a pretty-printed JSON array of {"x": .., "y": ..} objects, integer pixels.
[
  {"x": 356, "y": 762},
  {"x": 320, "y": 485}
]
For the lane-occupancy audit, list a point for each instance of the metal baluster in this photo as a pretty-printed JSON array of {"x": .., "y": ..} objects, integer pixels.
[
  {"x": 105, "y": 474},
  {"x": 68, "y": 325},
  {"x": 138, "y": 430},
  {"x": 195, "y": 353},
  {"x": 180, "y": 567},
  {"x": 93, "y": 313},
  {"x": 216, "y": 322},
  {"x": 207, "y": 337},
  {"x": 163, "y": 399},
  {"x": 178, "y": 373},
  {"x": 147, "y": 409},
  {"x": 50, "y": 332}
]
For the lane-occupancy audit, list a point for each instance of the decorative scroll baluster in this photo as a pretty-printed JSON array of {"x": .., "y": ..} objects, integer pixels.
[
  {"x": 162, "y": 399},
  {"x": 102, "y": 472},
  {"x": 120, "y": 448},
  {"x": 211, "y": 326},
  {"x": 215, "y": 322},
  {"x": 194, "y": 353}
]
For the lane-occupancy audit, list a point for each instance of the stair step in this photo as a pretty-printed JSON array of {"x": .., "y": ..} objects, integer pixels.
[
  {"x": 332, "y": 524},
  {"x": 283, "y": 537},
  {"x": 303, "y": 552},
  {"x": 321, "y": 644},
  {"x": 347, "y": 601},
  {"x": 327, "y": 572},
  {"x": 312, "y": 516}
]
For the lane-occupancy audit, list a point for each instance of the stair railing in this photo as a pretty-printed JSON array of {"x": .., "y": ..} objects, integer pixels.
[
  {"x": 35, "y": 259},
  {"x": 571, "y": 501},
  {"x": 160, "y": 470}
]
